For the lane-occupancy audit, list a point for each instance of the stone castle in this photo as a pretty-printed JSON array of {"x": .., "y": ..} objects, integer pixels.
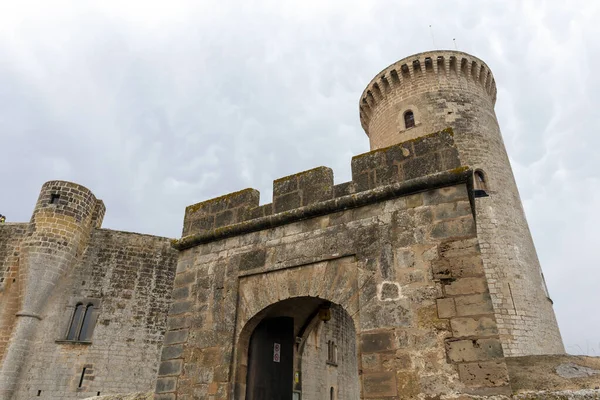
[{"x": 418, "y": 279}]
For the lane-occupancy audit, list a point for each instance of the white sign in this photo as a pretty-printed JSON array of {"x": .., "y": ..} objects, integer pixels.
[{"x": 276, "y": 352}]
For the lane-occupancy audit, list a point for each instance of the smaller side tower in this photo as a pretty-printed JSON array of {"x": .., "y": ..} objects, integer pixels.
[{"x": 59, "y": 230}]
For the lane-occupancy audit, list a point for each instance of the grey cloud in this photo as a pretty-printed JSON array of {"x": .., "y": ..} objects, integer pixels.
[{"x": 155, "y": 108}]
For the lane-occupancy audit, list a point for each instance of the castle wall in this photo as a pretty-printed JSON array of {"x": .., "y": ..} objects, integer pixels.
[
  {"x": 130, "y": 276},
  {"x": 63, "y": 218},
  {"x": 319, "y": 376},
  {"x": 453, "y": 89},
  {"x": 11, "y": 236},
  {"x": 400, "y": 256}
]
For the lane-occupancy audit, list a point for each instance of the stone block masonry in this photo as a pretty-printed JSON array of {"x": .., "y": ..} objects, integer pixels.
[
  {"x": 453, "y": 89},
  {"x": 60, "y": 261},
  {"x": 396, "y": 249},
  {"x": 11, "y": 236},
  {"x": 131, "y": 275}
]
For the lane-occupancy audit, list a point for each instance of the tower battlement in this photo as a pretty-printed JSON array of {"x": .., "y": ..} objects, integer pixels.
[{"x": 424, "y": 72}]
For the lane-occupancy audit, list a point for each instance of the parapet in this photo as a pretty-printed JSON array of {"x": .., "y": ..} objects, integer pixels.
[
  {"x": 70, "y": 200},
  {"x": 424, "y": 72},
  {"x": 409, "y": 161}
]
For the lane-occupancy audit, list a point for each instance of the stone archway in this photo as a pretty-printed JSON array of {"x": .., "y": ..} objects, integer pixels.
[
  {"x": 308, "y": 295},
  {"x": 305, "y": 346}
]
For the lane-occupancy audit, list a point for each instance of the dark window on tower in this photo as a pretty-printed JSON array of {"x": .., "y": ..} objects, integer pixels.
[
  {"x": 54, "y": 198},
  {"x": 332, "y": 394},
  {"x": 82, "y": 323},
  {"x": 409, "y": 119},
  {"x": 480, "y": 183}
]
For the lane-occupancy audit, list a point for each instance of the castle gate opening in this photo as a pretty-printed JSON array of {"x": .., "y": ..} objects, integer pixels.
[
  {"x": 301, "y": 348},
  {"x": 270, "y": 360}
]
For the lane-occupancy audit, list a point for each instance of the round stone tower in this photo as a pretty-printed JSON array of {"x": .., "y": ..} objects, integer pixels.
[
  {"x": 58, "y": 233},
  {"x": 431, "y": 91}
]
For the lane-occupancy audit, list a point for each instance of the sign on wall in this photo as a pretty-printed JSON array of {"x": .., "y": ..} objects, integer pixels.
[{"x": 276, "y": 352}]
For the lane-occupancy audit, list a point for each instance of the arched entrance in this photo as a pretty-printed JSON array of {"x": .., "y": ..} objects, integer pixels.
[{"x": 299, "y": 348}]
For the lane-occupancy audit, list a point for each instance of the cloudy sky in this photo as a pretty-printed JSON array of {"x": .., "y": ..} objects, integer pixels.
[{"x": 155, "y": 106}]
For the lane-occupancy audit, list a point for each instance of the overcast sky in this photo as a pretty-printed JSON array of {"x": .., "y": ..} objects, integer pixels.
[{"x": 155, "y": 106}]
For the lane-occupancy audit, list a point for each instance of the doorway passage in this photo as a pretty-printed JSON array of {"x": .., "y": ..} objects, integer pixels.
[{"x": 301, "y": 349}]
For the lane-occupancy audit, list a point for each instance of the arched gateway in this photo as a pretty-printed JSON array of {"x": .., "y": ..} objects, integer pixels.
[
  {"x": 286, "y": 340},
  {"x": 287, "y": 351}
]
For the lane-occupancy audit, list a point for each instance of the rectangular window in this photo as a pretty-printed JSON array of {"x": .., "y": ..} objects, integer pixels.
[
  {"x": 331, "y": 352},
  {"x": 83, "y": 321}
]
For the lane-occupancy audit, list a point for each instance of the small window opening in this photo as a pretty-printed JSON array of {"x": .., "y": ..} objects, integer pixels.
[
  {"x": 82, "y": 323},
  {"x": 416, "y": 66},
  {"x": 54, "y": 198},
  {"x": 377, "y": 91},
  {"x": 331, "y": 352},
  {"x": 405, "y": 71},
  {"x": 39, "y": 393},
  {"x": 464, "y": 66},
  {"x": 332, "y": 394},
  {"x": 386, "y": 83},
  {"x": 409, "y": 119},
  {"x": 82, "y": 376},
  {"x": 440, "y": 63},
  {"x": 370, "y": 97},
  {"x": 428, "y": 64},
  {"x": 453, "y": 64},
  {"x": 480, "y": 182},
  {"x": 98, "y": 394}
]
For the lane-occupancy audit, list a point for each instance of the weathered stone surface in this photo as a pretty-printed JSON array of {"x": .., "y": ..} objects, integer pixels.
[
  {"x": 484, "y": 374},
  {"x": 476, "y": 304},
  {"x": 170, "y": 352},
  {"x": 122, "y": 280},
  {"x": 446, "y": 308},
  {"x": 474, "y": 326},
  {"x": 166, "y": 385},
  {"x": 382, "y": 384},
  {"x": 554, "y": 373},
  {"x": 377, "y": 341},
  {"x": 465, "y": 286},
  {"x": 172, "y": 367},
  {"x": 473, "y": 350}
]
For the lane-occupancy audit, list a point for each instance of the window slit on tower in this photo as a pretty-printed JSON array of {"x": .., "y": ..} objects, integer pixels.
[
  {"x": 331, "y": 352},
  {"x": 54, "y": 198},
  {"x": 480, "y": 188},
  {"x": 82, "y": 376},
  {"x": 409, "y": 119}
]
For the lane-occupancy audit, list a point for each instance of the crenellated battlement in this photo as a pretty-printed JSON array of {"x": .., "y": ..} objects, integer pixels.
[
  {"x": 424, "y": 72},
  {"x": 406, "y": 161}
]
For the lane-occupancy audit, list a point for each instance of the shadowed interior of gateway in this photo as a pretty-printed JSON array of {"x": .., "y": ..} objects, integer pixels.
[{"x": 302, "y": 348}]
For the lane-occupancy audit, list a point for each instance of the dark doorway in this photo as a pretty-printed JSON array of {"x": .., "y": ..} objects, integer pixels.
[{"x": 271, "y": 360}]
